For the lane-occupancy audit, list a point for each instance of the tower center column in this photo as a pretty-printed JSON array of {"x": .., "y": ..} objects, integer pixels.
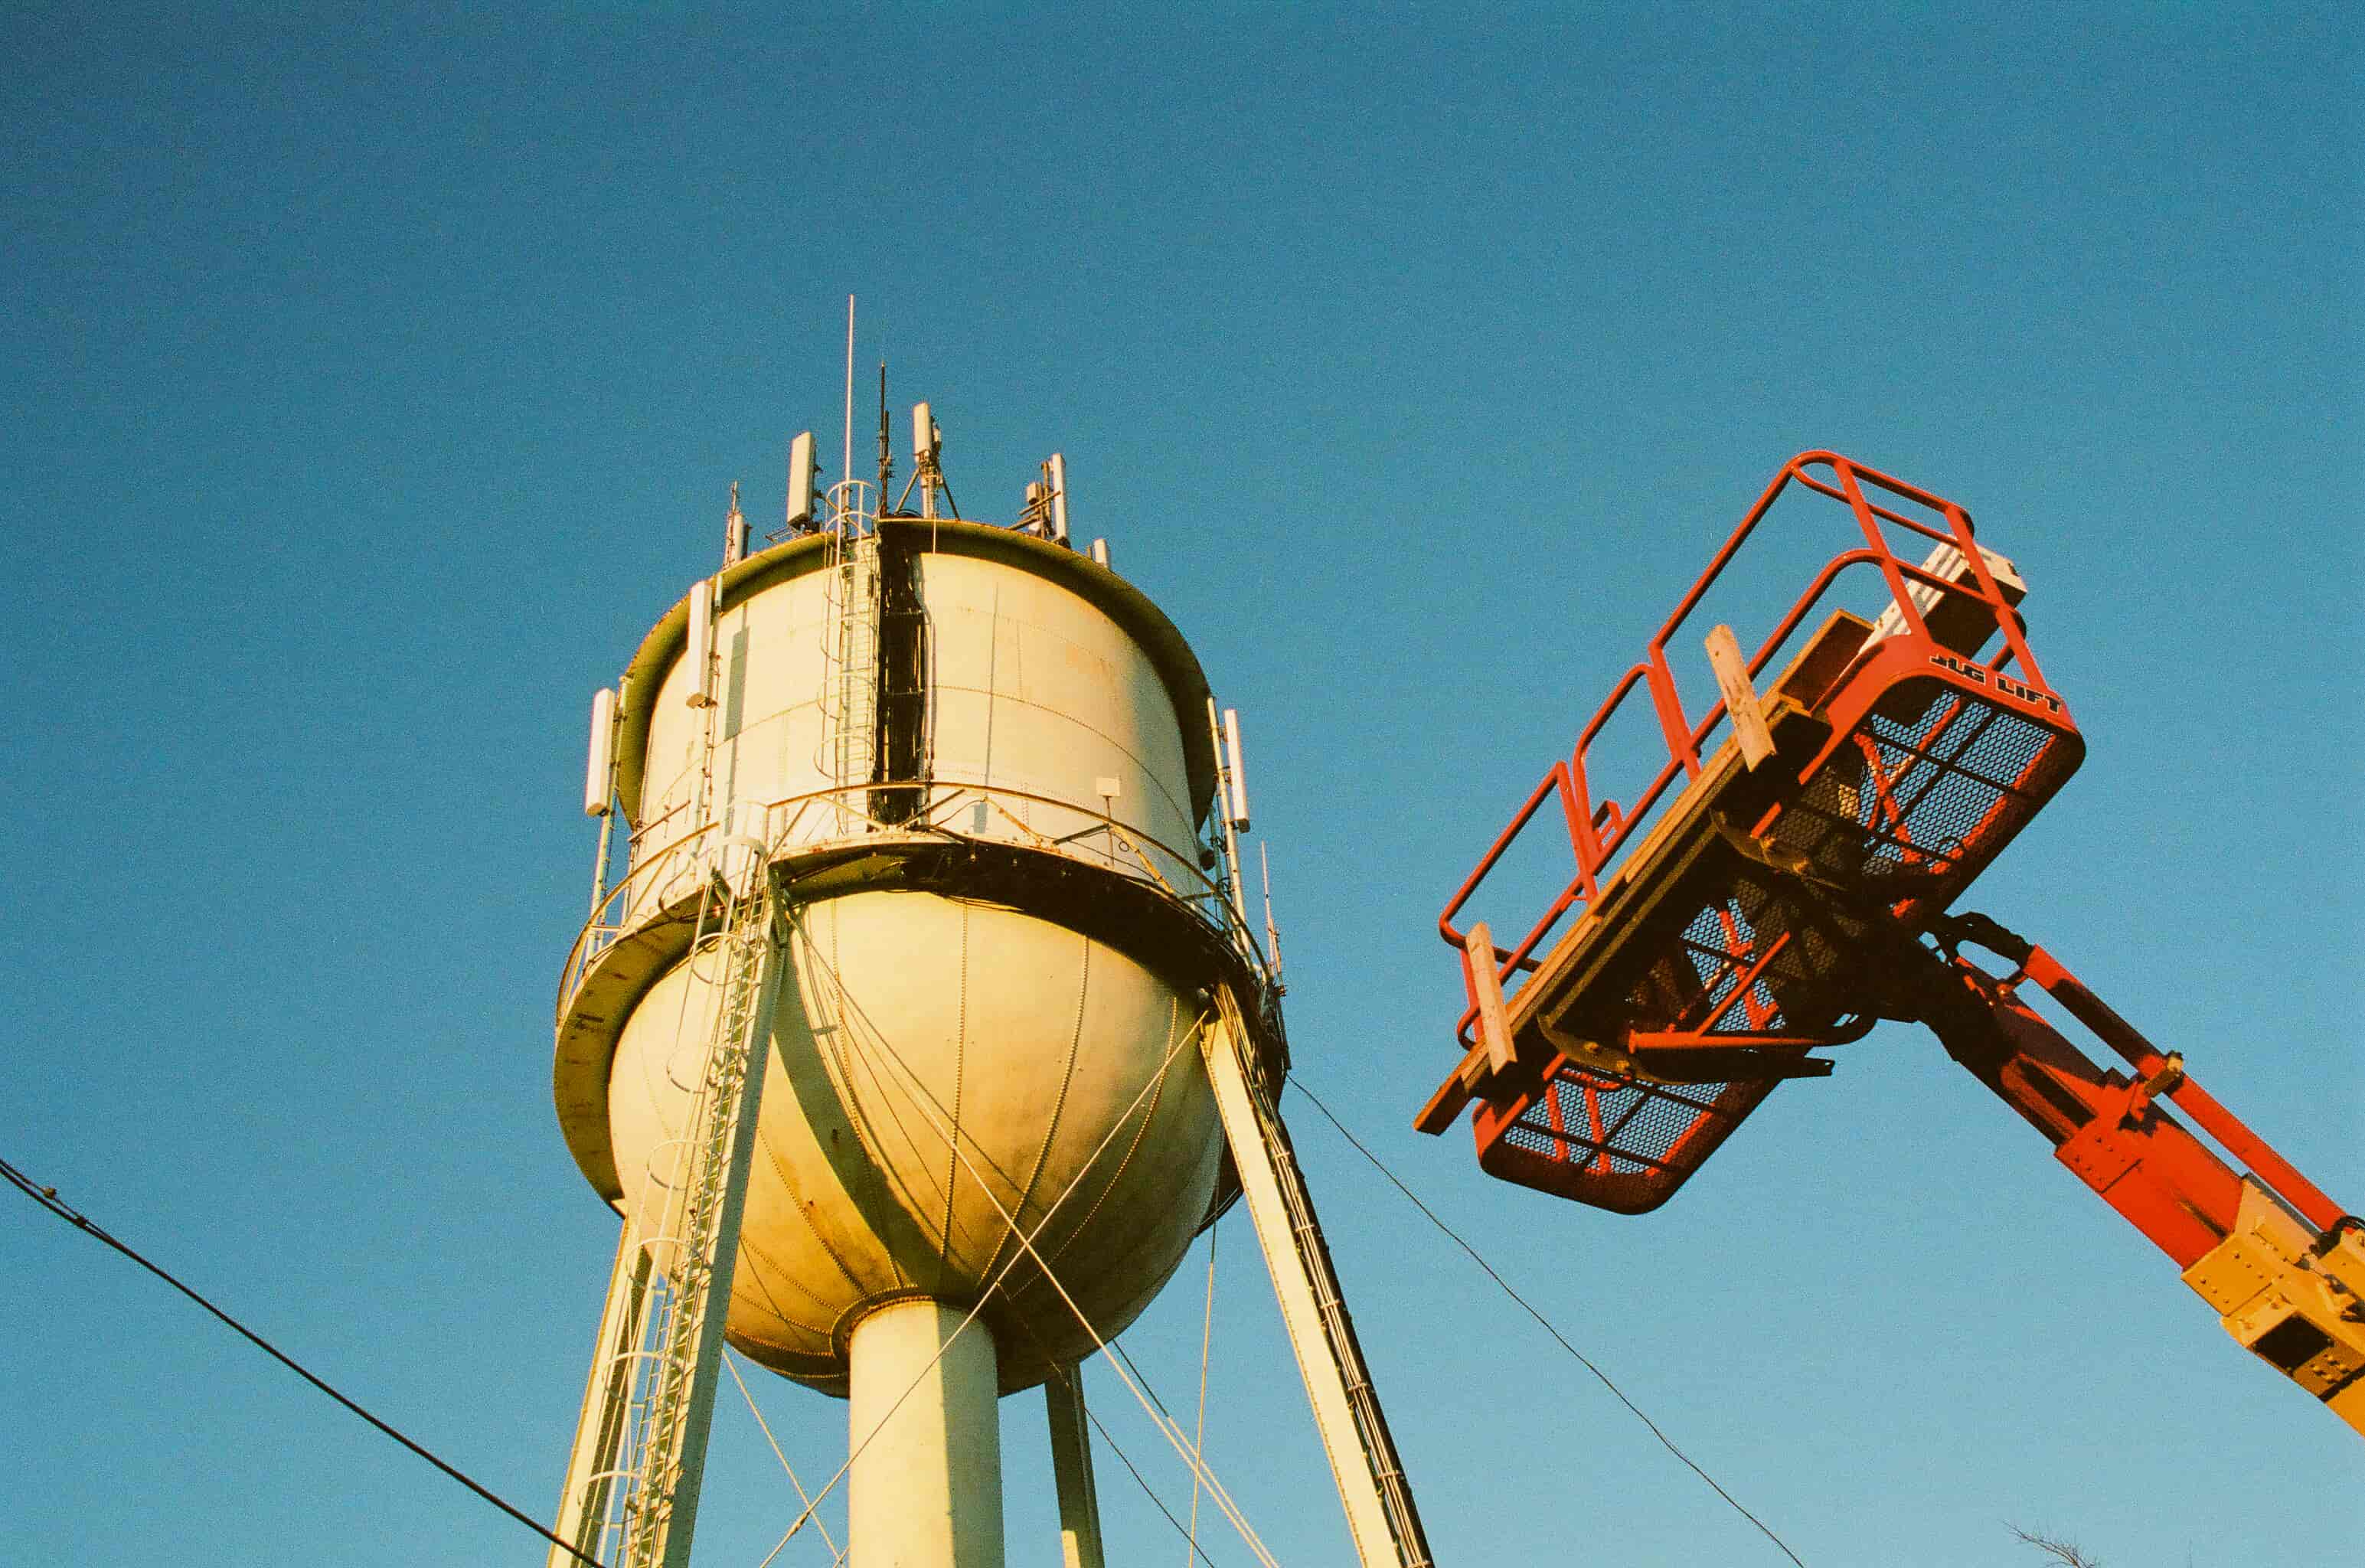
[{"x": 926, "y": 1487}]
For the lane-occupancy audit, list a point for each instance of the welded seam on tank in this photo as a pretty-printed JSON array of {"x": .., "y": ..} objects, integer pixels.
[
  {"x": 841, "y": 1047},
  {"x": 1126, "y": 606},
  {"x": 922, "y": 1098},
  {"x": 772, "y": 1303},
  {"x": 978, "y": 1307},
  {"x": 779, "y": 1168},
  {"x": 961, "y": 1061},
  {"x": 676, "y": 1139},
  {"x": 927, "y": 667},
  {"x": 1157, "y": 1088},
  {"x": 1182, "y": 812},
  {"x": 1117, "y": 1266},
  {"x": 883, "y": 1105},
  {"x": 820, "y": 1331},
  {"x": 747, "y": 1246},
  {"x": 691, "y": 980},
  {"x": 1140, "y": 1134},
  {"x": 1026, "y": 1239},
  {"x": 837, "y": 1050},
  {"x": 784, "y": 717},
  {"x": 992, "y": 691},
  {"x": 992, "y": 662},
  {"x": 883, "y": 1111},
  {"x": 804, "y": 1213},
  {"x": 872, "y": 1120},
  {"x": 1151, "y": 1092},
  {"x": 1059, "y": 1106},
  {"x": 1167, "y": 1428}
]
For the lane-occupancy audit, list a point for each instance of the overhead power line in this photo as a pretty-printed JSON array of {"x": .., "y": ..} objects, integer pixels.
[
  {"x": 1198, "y": 1551},
  {"x": 48, "y": 1198},
  {"x": 1664, "y": 1441}
]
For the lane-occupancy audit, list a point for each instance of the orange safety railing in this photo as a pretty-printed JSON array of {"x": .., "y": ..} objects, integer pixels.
[{"x": 1599, "y": 833}]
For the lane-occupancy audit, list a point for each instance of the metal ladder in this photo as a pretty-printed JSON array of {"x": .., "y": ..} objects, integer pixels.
[
  {"x": 640, "y": 1501},
  {"x": 849, "y": 685},
  {"x": 1402, "y": 1519}
]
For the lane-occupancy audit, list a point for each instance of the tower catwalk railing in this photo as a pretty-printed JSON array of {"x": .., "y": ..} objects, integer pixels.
[
  {"x": 664, "y": 871},
  {"x": 631, "y": 1491}
]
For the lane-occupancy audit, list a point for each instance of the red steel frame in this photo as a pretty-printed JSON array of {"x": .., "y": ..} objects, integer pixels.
[
  {"x": 1599, "y": 833},
  {"x": 1596, "y": 852},
  {"x": 2105, "y": 1126},
  {"x": 1802, "y": 864}
]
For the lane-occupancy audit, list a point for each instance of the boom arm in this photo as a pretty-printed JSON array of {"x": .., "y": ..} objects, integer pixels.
[
  {"x": 1764, "y": 896},
  {"x": 2276, "y": 1259}
]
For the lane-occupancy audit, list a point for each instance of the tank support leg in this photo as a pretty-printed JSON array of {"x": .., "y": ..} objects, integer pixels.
[
  {"x": 1071, "y": 1468},
  {"x": 640, "y": 1447},
  {"x": 1372, "y": 1485},
  {"x": 607, "y": 1401},
  {"x": 925, "y": 1487}
]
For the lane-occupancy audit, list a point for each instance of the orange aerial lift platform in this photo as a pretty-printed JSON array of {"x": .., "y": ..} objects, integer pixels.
[{"x": 1782, "y": 877}]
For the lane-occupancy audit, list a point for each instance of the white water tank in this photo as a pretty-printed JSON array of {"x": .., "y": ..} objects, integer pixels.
[{"x": 984, "y": 941}]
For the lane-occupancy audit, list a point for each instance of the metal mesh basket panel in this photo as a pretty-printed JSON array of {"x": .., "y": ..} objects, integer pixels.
[{"x": 1932, "y": 783}]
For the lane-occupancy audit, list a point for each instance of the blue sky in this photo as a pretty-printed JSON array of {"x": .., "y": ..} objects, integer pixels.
[{"x": 373, "y": 382}]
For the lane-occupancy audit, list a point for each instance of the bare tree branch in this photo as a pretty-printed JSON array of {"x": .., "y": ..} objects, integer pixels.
[{"x": 2067, "y": 1553}]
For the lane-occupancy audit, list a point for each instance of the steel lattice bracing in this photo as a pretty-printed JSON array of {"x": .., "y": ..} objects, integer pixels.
[{"x": 631, "y": 1489}]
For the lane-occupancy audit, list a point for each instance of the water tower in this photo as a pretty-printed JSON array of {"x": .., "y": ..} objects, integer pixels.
[{"x": 924, "y": 1025}]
